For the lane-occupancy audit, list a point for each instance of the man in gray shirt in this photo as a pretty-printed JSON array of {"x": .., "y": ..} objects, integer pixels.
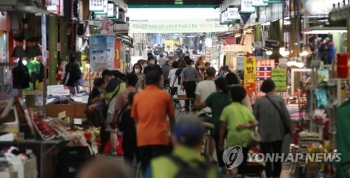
[
  {"x": 166, "y": 69},
  {"x": 274, "y": 120},
  {"x": 189, "y": 78}
]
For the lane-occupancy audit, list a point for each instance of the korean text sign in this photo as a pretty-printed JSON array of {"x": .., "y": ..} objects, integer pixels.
[{"x": 249, "y": 69}]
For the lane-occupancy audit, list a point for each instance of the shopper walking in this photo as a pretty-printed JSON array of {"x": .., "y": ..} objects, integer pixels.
[
  {"x": 125, "y": 123},
  {"x": 274, "y": 121},
  {"x": 232, "y": 81},
  {"x": 114, "y": 85},
  {"x": 204, "y": 89},
  {"x": 150, "y": 110},
  {"x": 187, "y": 138},
  {"x": 161, "y": 60},
  {"x": 141, "y": 83},
  {"x": 166, "y": 69},
  {"x": 238, "y": 120},
  {"x": 189, "y": 78},
  {"x": 173, "y": 79},
  {"x": 152, "y": 66},
  {"x": 217, "y": 101}
]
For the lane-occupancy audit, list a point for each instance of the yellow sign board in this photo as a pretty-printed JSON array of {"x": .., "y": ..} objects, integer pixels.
[
  {"x": 249, "y": 68},
  {"x": 169, "y": 45}
]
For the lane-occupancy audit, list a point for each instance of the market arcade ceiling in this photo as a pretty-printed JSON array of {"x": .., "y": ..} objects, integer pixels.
[{"x": 173, "y": 2}]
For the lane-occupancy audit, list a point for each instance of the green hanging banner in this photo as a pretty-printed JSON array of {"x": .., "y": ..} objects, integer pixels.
[{"x": 273, "y": 1}]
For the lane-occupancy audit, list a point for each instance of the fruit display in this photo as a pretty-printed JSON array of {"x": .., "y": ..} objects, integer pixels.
[
  {"x": 46, "y": 131},
  {"x": 66, "y": 121}
]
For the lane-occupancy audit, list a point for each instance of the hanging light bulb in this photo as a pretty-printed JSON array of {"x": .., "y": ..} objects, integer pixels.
[
  {"x": 299, "y": 64},
  {"x": 24, "y": 62},
  {"x": 269, "y": 52},
  {"x": 304, "y": 53},
  {"x": 291, "y": 63},
  {"x": 282, "y": 49}
]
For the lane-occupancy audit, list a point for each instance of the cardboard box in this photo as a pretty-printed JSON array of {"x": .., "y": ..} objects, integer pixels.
[{"x": 75, "y": 110}]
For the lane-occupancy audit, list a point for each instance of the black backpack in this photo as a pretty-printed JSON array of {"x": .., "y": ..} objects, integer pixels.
[{"x": 186, "y": 171}]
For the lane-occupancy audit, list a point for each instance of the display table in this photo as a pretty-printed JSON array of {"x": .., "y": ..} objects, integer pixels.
[{"x": 43, "y": 150}]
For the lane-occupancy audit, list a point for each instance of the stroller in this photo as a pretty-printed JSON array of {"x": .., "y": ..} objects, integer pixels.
[{"x": 253, "y": 167}]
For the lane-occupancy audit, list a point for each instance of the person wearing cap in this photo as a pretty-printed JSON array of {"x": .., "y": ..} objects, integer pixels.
[
  {"x": 186, "y": 137},
  {"x": 114, "y": 83},
  {"x": 150, "y": 109},
  {"x": 223, "y": 71},
  {"x": 189, "y": 78}
]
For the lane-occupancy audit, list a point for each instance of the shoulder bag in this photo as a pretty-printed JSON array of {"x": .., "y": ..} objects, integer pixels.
[
  {"x": 286, "y": 128},
  {"x": 106, "y": 108}
]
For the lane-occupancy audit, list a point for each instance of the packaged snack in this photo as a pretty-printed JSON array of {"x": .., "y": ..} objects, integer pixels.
[
  {"x": 321, "y": 96},
  {"x": 323, "y": 75}
]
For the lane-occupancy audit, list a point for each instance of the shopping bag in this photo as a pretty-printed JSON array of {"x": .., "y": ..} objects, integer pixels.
[
  {"x": 181, "y": 92},
  {"x": 119, "y": 147}
]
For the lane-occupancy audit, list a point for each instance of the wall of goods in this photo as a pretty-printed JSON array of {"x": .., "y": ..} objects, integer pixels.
[{"x": 317, "y": 101}]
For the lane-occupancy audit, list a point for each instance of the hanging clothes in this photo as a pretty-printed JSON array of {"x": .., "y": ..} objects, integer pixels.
[
  {"x": 34, "y": 72},
  {"x": 20, "y": 76},
  {"x": 72, "y": 74}
]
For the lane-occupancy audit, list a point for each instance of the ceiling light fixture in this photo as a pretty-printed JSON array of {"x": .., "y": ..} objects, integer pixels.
[{"x": 269, "y": 52}]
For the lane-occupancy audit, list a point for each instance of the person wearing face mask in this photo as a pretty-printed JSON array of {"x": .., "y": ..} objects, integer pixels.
[
  {"x": 170, "y": 56},
  {"x": 154, "y": 67},
  {"x": 141, "y": 83}
]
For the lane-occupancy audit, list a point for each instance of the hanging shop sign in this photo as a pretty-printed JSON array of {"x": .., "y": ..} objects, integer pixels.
[
  {"x": 176, "y": 26},
  {"x": 233, "y": 14},
  {"x": 117, "y": 53},
  {"x": 112, "y": 10},
  {"x": 235, "y": 48},
  {"x": 240, "y": 62},
  {"x": 249, "y": 70},
  {"x": 102, "y": 52},
  {"x": 96, "y": 5},
  {"x": 105, "y": 8},
  {"x": 258, "y": 51},
  {"x": 259, "y": 3},
  {"x": 247, "y": 6},
  {"x": 263, "y": 72},
  {"x": 271, "y": 13},
  {"x": 279, "y": 76},
  {"x": 55, "y": 6}
]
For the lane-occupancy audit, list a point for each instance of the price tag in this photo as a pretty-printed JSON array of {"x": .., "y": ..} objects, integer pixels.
[
  {"x": 77, "y": 121},
  {"x": 62, "y": 115}
]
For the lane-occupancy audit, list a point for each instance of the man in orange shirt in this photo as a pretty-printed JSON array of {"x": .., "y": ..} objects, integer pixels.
[{"x": 150, "y": 109}]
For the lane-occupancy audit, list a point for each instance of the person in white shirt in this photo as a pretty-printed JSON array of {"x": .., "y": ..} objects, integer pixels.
[
  {"x": 204, "y": 89},
  {"x": 173, "y": 84},
  {"x": 161, "y": 60}
]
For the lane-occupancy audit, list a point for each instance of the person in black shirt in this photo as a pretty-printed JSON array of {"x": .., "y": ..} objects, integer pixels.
[
  {"x": 179, "y": 52},
  {"x": 152, "y": 66}
]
